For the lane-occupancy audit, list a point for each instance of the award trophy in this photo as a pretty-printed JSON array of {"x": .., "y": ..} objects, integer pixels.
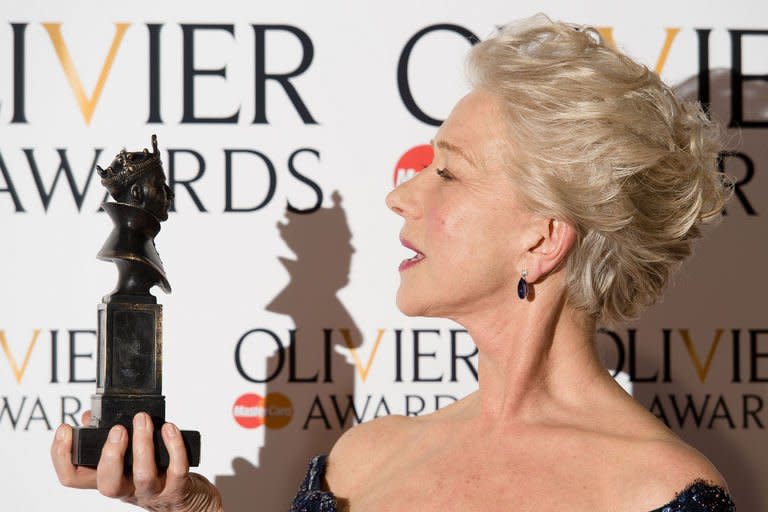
[{"x": 130, "y": 321}]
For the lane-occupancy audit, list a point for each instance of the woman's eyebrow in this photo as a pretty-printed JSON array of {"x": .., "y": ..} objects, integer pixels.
[{"x": 444, "y": 144}]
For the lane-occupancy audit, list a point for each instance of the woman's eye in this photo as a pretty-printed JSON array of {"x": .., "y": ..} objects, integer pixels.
[{"x": 443, "y": 173}]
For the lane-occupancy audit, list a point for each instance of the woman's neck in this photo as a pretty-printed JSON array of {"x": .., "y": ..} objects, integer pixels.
[{"x": 534, "y": 360}]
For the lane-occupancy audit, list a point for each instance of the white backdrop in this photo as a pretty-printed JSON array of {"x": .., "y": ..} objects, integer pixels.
[{"x": 224, "y": 266}]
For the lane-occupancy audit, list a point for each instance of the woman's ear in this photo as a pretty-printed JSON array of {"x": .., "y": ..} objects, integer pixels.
[
  {"x": 137, "y": 194},
  {"x": 556, "y": 239}
]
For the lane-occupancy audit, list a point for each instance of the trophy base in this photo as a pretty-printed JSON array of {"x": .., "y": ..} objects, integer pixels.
[
  {"x": 109, "y": 410},
  {"x": 88, "y": 441}
]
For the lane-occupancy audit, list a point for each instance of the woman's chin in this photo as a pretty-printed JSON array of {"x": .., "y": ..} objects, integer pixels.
[
  {"x": 407, "y": 304},
  {"x": 414, "y": 305}
]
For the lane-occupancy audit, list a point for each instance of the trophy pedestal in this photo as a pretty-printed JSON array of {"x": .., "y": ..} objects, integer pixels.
[
  {"x": 128, "y": 381},
  {"x": 88, "y": 441}
]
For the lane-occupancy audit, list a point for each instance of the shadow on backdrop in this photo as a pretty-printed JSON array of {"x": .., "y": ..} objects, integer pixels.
[
  {"x": 321, "y": 242},
  {"x": 722, "y": 287}
]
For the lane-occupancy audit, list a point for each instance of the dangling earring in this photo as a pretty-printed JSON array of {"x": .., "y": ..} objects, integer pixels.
[{"x": 522, "y": 285}]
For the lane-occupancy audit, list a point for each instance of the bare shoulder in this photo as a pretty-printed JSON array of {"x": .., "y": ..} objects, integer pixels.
[
  {"x": 361, "y": 448},
  {"x": 651, "y": 463},
  {"x": 667, "y": 467},
  {"x": 365, "y": 439}
]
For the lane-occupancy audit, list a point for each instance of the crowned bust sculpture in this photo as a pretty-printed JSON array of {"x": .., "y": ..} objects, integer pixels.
[
  {"x": 129, "y": 320},
  {"x": 136, "y": 182}
]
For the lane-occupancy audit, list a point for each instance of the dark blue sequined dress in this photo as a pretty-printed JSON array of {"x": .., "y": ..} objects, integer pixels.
[
  {"x": 697, "y": 497},
  {"x": 311, "y": 496},
  {"x": 700, "y": 497}
]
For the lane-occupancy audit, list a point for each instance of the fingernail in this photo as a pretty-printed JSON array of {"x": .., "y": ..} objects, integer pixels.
[
  {"x": 61, "y": 432},
  {"x": 171, "y": 430},
  {"x": 116, "y": 434},
  {"x": 140, "y": 421}
]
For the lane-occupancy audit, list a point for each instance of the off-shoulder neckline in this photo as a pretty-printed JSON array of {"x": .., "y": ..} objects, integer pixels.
[{"x": 699, "y": 491}]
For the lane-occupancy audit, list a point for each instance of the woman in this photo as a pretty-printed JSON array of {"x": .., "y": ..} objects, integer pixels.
[{"x": 564, "y": 189}]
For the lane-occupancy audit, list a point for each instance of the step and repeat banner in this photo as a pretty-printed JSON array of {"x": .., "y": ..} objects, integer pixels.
[{"x": 282, "y": 126}]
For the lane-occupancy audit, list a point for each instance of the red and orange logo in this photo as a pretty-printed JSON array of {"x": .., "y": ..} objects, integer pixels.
[
  {"x": 252, "y": 411},
  {"x": 412, "y": 163}
]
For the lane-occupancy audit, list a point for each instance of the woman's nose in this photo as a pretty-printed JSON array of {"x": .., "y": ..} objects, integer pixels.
[
  {"x": 401, "y": 199},
  {"x": 393, "y": 202}
]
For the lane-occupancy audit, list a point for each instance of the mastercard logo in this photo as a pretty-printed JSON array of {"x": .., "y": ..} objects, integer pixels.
[
  {"x": 412, "y": 163},
  {"x": 252, "y": 411}
]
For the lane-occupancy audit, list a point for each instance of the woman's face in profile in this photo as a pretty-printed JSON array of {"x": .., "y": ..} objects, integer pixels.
[{"x": 463, "y": 214}]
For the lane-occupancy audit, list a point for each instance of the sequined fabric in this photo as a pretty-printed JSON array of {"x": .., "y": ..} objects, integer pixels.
[
  {"x": 697, "y": 497},
  {"x": 700, "y": 497},
  {"x": 311, "y": 496}
]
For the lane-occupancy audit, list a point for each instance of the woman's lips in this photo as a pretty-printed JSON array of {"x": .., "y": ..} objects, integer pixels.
[{"x": 413, "y": 260}]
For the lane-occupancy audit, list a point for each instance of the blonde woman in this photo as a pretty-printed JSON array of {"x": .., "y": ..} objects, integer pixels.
[{"x": 564, "y": 190}]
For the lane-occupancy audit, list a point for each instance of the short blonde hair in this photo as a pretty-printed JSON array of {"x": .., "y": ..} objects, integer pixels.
[{"x": 599, "y": 141}]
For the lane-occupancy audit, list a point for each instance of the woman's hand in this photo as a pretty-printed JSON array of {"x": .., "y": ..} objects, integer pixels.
[{"x": 175, "y": 490}]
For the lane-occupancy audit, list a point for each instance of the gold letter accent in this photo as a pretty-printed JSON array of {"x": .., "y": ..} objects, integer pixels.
[
  {"x": 87, "y": 105},
  {"x": 607, "y": 35},
  {"x": 358, "y": 364},
  {"x": 671, "y": 35},
  {"x": 701, "y": 370},
  {"x": 18, "y": 373}
]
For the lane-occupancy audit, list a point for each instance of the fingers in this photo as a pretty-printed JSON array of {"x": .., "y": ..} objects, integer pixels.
[
  {"x": 86, "y": 418},
  {"x": 110, "y": 479},
  {"x": 61, "y": 455},
  {"x": 144, "y": 467},
  {"x": 144, "y": 487},
  {"x": 177, "y": 474}
]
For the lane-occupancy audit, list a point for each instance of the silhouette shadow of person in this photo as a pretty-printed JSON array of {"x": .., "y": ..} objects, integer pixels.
[{"x": 309, "y": 398}]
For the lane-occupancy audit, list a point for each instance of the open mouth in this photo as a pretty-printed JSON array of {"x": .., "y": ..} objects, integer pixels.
[{"x": 413, "y": 260}]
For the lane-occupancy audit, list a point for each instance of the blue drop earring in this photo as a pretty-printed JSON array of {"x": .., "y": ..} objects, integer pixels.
[{"x": 522, "y": 285}]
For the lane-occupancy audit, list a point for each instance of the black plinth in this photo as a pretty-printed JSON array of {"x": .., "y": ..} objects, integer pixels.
[
  {"x": 129, "y": 380},
  {"x": 88, "y": 441}
]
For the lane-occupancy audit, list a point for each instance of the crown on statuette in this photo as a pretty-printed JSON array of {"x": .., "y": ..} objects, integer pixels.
[{"x": 127, "y": 167}]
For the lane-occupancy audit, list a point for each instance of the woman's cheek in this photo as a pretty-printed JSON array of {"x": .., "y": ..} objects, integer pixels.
[
  {"x": 459, "y": 229},
  {"x": 436, "y": 223}
]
